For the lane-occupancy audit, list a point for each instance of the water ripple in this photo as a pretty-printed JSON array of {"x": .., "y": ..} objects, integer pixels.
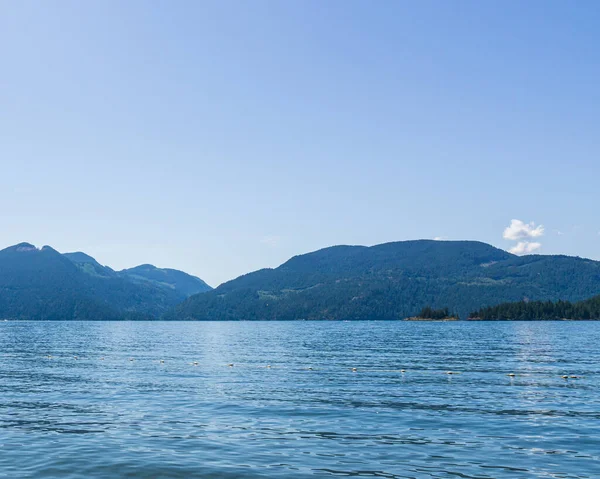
[{"x": 271, "y": 400}]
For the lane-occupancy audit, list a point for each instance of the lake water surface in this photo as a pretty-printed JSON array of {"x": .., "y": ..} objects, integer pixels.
[{"x": 116, "y": 417}]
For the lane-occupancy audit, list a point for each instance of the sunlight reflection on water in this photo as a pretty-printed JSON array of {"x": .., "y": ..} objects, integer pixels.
[{"x": 309, "y": 414}]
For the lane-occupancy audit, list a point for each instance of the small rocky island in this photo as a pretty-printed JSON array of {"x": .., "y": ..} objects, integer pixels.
[{"x": 430, "y": 314}]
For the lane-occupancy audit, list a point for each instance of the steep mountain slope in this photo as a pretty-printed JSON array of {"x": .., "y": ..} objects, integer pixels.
[
  {"x": 43, "y": 284},
  {"x": 393, "y": 281},
  {"x": 170, "y": 278}
]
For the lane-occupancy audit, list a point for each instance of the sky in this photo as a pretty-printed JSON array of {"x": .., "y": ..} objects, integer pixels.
[{"x": 220, "y": 137}]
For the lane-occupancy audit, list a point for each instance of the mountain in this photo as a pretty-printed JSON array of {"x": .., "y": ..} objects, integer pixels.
[
  {"x": 541, "y": 310},
  {"x": 170, "y": 278},
  {"x": 393, "y": 281},
  {"x": 182, "y": 283},
  {"x": 89, "y": 265},
  {"x": 42, "y": 284}
]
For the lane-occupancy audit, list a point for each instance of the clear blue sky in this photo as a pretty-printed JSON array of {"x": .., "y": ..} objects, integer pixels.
[{"x": 219, "y": 137}]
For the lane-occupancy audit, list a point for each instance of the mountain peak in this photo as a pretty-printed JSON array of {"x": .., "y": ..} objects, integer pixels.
[
  {"x": 145, "y": 266},
  {"x": 28, "y": 247},
  {"x": 80, "y": 257},
  {"x": 21, "y": 247}
]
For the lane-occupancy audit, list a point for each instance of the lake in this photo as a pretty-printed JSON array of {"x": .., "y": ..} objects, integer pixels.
[{"x": 308, "y": 414}]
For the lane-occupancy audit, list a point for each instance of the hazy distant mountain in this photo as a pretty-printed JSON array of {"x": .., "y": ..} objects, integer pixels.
[
  {"x": 89, "y": 265},
  {"x": 183, "y": 284},
  {"x": 393, "y": 281},
  {"x": 44, "y": 284},
  {"x": 172, "y": 278}
]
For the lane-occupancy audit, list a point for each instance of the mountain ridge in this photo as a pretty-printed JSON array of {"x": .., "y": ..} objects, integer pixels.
[
  {"x": 393, "y": 281},
  {"x": 41, "y": 283},
  {"x": 390, "y": 281},
  {"x": 176, "y": 279}
]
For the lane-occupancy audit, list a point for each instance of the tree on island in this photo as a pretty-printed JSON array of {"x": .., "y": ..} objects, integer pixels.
[{"x": 429, "y": 313}]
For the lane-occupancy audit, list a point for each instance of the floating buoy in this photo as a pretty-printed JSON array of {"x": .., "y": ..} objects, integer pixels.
[
  {"x": 195, "y": 363},
  {"x": 511, "y": 374},
  {"x": 354, "y": 370},
  {"x": 450, "y": 372},
  {"x": 403, "y": 370}
]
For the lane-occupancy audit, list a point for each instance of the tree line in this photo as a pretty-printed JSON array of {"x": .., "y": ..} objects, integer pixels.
[
  {"x": 443, "y": 313},
  {"x": 541, "y": 310}
]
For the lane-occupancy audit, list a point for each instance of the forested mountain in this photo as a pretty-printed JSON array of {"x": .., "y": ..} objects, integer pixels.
[
  {"x": 181, "y": 283},
  {"x": 393, "y": 281},
  {"x": 388, "y": 281},
  {"x": 43, "y": 284},
  {"x": 89, "y": 265},
  {"x": 171, "y": 278},
  {"x": 541, "y": 310}
]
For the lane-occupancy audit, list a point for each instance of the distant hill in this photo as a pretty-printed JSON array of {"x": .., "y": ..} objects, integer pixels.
[
  {"x": 43, "y": 284},
  {"x": 541, "y": 310},
  {"x": 89, "y": 265},
  {"x": 182, "y": 284},
  {"x": 171, "y": 278},
  {"x": 393, "y": 281}
]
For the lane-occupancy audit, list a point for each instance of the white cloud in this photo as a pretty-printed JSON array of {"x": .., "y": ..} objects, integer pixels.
[
  {"x": 523, "y": 233},
  {"x": 525, "y": 247},
  {"x": 518, "y": 230}
]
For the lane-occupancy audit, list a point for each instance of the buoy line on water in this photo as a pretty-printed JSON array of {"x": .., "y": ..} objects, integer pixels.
[{"x": 352, "y": 369}]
